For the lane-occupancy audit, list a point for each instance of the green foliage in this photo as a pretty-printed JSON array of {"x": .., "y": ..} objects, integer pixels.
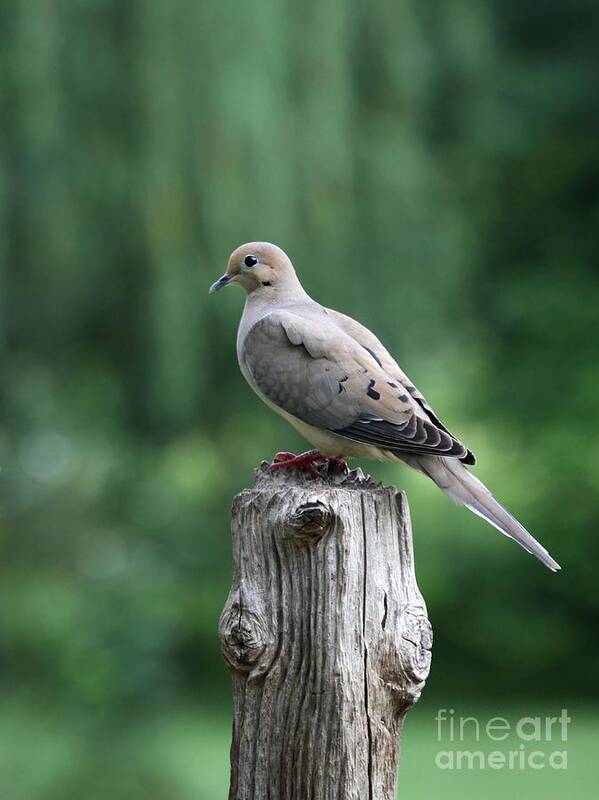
[{"x": 432, "y": 169}]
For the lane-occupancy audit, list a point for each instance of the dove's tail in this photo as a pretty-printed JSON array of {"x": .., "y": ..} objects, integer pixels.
[{"x": 465, "y": 489}]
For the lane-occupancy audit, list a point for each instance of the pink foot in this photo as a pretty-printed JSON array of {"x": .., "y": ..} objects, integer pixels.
[
  {"x": 307, "y": 461},
  {"x": 340, "y": 462},
  {"x": 283, "y": 455}
]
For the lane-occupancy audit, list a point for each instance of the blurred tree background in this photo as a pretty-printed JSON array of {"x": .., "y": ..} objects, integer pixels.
[{"x": 433, "y": 170}]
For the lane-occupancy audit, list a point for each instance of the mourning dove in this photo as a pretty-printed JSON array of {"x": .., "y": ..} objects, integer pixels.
[{"x": 334, "y": 381}]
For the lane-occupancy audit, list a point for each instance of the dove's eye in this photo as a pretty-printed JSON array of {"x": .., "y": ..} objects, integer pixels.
[{"x": 250, "y": 261}]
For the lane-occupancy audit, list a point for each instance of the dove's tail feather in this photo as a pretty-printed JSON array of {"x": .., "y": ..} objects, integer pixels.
[{"x": 465, "y": 489}]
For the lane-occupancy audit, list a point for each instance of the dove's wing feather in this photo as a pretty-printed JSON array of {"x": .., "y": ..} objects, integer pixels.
[
  {"x": 324, "y": 377},
  {"x": 379, "y": 352}
]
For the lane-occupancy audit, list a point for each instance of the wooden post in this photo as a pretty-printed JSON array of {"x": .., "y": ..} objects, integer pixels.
[{"x": 326, "y": 635}]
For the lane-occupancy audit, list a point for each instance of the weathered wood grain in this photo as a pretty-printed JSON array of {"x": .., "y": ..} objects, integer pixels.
[{"x": 326, "y": 635}]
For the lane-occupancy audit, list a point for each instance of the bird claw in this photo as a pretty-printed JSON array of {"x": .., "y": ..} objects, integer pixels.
[
  {"x": 282, "y": 456},
  {"x": 340, "y": 462},
  {"x": 307, "y": 461}
]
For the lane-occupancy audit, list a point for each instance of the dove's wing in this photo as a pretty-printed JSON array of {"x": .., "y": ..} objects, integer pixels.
[
  {"x": 371, "y": 343},
  {"x": 321, "y": 375}
]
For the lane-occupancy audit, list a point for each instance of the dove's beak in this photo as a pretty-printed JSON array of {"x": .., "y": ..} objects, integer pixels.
[{"x": 222, "y": 281}]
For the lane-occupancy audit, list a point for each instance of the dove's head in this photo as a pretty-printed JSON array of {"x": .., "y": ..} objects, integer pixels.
[{"x": 259, "y": 267}]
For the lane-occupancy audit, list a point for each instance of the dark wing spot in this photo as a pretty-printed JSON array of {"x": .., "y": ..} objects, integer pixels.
[
  {"x": 266, "y": 283},
  {"x": 342, "y": 380},
  {"x": 412, "y": 389},
  {"x": 376, "y": 358},
  {"x": 403, "y": 397},
  {"x": 371, "y": 392},
  {"x": 392, "y": 385}
]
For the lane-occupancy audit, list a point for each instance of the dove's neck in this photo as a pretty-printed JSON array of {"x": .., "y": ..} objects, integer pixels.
[
  {"x": 260, "y": 303},
  {"x": 287, "y": 290}
]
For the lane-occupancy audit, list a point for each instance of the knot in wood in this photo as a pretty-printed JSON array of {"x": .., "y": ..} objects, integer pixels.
[
  {"x": 244, "y": 636},
  {"x": 310, "y": 521},
  {"x": 417, "y": 635}
]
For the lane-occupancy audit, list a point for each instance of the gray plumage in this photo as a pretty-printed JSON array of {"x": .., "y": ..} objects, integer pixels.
[{"x": 336, "y": 383}]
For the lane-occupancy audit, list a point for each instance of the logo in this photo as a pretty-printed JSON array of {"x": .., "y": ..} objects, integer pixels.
[{"x": 528, "y": 742}]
